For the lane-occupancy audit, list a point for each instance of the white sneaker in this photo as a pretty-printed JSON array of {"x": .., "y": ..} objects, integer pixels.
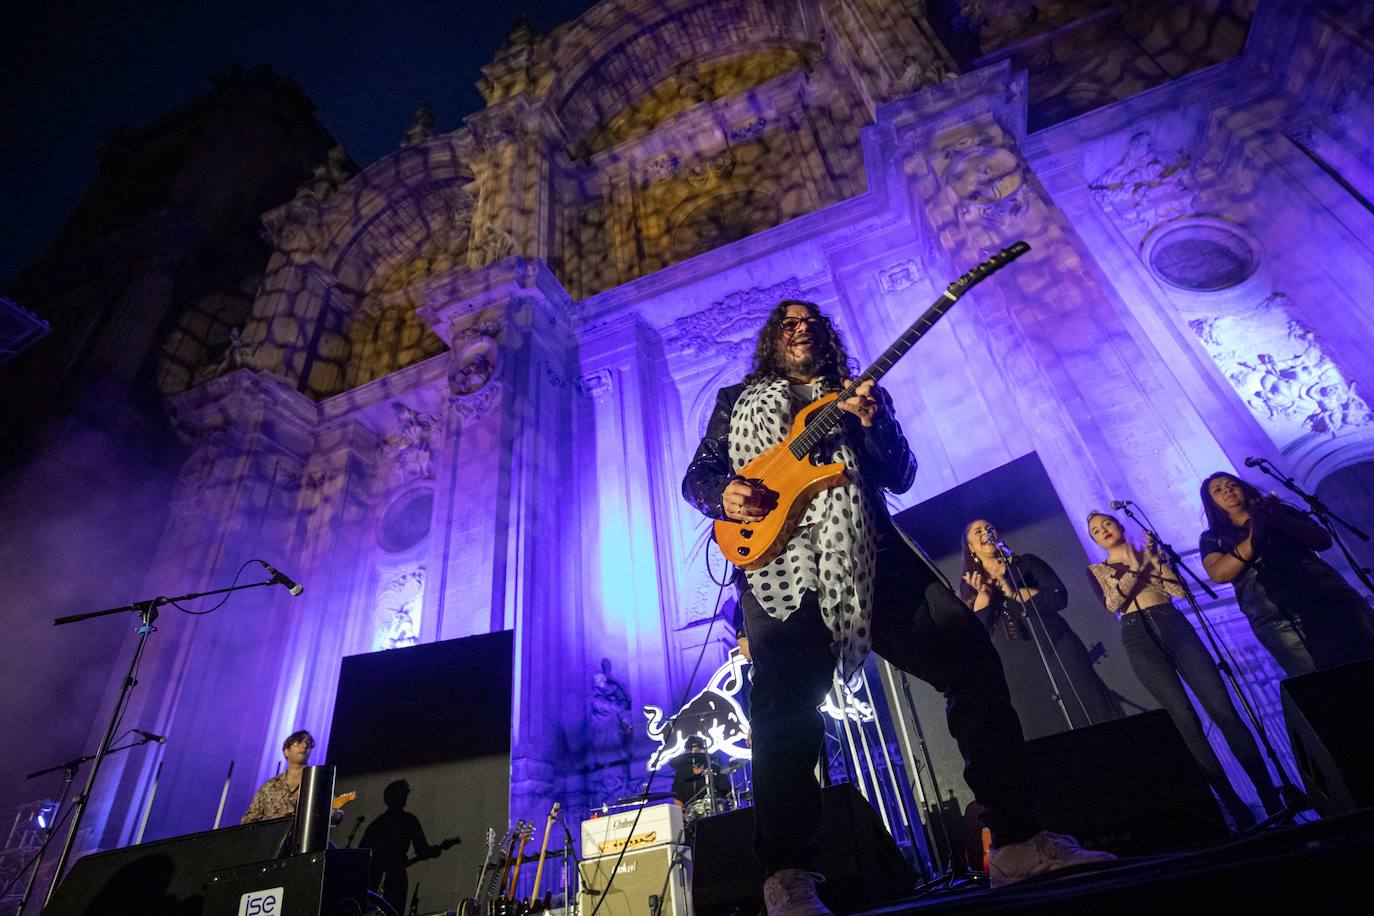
[
  {"x": 792, "y": 892},
  {"x": 1042, "y": 853}
]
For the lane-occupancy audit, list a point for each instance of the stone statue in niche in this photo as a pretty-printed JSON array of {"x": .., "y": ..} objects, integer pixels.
[
  {"x": 328, "y": 176},
  {"x": 422, "y": 128},
  {"x": 1277, "y": 366},
  {"x": 918, "y": 74},
  {"x": 608, "y": 718},
  {"x": 494, "y": 244},
  {"x": 237, "y": 355},
  {"x": 410, "y": 449},
  {"x": 1147, "y": 186}
]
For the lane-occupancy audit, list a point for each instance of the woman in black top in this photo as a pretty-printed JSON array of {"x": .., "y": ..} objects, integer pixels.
[
  {"x": 1166, "y": 653},
  {"x": 1009, "y": 602},
  {"x": 1299, "y": 607}
]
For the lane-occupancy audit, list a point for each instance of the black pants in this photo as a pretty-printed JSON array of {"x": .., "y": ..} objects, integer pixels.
[
  {"x": 922, "y": 628},
  {"x": 1165, "y": 652}
]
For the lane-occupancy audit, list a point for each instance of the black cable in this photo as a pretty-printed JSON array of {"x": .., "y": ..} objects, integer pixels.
[
  {"x": 219, "y": 605},
  {"x": 668, "y": 729}
]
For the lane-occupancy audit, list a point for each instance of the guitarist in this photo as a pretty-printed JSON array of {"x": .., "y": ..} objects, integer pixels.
[
  {"x": 277, "y": 796},
  {"x": 847, "y": 582},
  {"x": 390, "y": 837}
]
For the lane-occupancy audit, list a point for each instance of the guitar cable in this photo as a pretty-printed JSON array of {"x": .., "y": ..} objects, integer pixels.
[{"x": 668, "y": 729}]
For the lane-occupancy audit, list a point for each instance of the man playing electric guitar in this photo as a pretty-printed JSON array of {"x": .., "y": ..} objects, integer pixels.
[{"x": 846, "y": 582}]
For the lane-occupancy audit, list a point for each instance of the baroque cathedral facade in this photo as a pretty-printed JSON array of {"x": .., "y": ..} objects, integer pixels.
[{"x": 461, "y": 391}]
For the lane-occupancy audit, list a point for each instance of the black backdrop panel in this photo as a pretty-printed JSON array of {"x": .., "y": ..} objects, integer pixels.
[
  {"x": 439, "y": 717},
  {"x": 435, "y": 703}
]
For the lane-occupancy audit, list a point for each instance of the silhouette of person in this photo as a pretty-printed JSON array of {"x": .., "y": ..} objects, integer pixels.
[{"x": 390, "y": 838}]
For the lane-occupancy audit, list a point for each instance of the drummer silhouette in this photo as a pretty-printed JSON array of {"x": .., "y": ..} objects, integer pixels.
[{"x": 699, "y": 786}]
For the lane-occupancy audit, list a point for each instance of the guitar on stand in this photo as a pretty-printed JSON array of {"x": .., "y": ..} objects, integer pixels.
[
  {"x": 535, "y": 903},
  {"x": 504, "y": 904},
  {"x": 488, "y": 878},
  {"x": 786, "y": 469}
]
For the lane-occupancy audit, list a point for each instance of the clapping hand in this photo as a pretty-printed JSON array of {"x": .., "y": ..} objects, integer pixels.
[{"x": 976, "y": 580}]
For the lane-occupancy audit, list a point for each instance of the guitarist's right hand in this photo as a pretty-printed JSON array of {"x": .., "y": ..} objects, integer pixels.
[{"x": 744, "y": 501}]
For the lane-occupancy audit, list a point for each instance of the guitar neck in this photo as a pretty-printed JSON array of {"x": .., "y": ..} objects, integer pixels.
[{"x": 826, "y": 419}]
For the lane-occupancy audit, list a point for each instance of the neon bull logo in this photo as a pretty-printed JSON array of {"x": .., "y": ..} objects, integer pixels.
[{"x": 714, "y": 715}]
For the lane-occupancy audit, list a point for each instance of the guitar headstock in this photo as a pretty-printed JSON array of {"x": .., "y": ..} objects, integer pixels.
[
  {"x": 341, "y": 800},
  {"x": 524, "y": 830},
  {"x": 985, "y": 269},
  {"x": 554, "y": 812}
]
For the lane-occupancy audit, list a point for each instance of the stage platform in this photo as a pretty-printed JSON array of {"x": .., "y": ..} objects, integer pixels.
[{"x": 1321, "y": 867}]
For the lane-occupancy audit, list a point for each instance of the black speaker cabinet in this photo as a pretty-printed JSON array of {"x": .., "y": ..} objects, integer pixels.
[
  {"x": 329, "y": 883},
  {"x": 861, "y": 862},
  {"x": 1331, "y": 727},
  {"x": 165, "y": 876},
  {"x": 648, "y": 882},
  {"x": 1128, "y": 786}
]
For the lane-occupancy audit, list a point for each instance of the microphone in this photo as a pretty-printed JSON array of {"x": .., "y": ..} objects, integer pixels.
[
  {"x": 1119, "y": 504},
  {"x": 1253, "y": 462},
  {"x": 149, "y": 735},
  {"x": 278, "y": 576}
]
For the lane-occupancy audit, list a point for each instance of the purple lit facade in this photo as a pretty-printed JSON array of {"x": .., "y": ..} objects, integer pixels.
[{"x": 474, "y": 370}]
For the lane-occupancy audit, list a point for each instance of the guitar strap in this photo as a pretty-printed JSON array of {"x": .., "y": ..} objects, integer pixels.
[{"x": 832, "y": 552}]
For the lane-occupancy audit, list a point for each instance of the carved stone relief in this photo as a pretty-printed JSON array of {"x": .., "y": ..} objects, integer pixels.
[
  {"x": 990, "y": 182},
  {"x": 408, "y": 451},
  {"x": 727, "y": 326},
  {"x": 1148, "y": 186},
  {"x": 1277, "y": 365},
  {"x": 397, "y": 613},
  {"x": 900, "y": 276}
]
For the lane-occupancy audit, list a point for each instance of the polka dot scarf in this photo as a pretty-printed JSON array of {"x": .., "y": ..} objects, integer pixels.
[{"x": 832, "y": 550}]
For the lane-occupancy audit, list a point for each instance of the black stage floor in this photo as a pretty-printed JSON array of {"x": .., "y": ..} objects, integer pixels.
[{"x": 1321, "y": 867}]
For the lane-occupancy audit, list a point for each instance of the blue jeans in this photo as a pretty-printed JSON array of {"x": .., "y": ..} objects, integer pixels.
[{"x": 1165, "y": 652}]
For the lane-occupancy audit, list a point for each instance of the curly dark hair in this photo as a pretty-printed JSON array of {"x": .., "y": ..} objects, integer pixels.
[
  {"x": 971, "y": 563},
  {"x": 301, "y": 735},
  {"x": 767, "y": 364},
  {"x": 1217, "y": 518}
]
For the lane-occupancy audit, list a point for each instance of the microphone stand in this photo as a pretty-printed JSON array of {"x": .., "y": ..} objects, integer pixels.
[
  {"x": 1008, "y": 561},
  {"x": 68, "y": 776},
  {"x": 571, "y": 903},
  {"x": 147, "y": 613},
  {"x": 1325, "y": 517},
  {"x": 1293, "y": 798}
]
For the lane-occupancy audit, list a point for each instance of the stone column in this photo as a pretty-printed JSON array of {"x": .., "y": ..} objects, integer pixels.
[{"x": 507, "y": 546}]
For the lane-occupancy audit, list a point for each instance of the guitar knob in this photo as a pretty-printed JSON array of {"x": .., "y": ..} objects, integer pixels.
[
  {"x": 746, "y": 532},
  {"x": 742, "y": 551}
]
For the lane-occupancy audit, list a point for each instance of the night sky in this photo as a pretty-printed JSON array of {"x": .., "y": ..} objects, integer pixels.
[{"x": 77, "y": 69}]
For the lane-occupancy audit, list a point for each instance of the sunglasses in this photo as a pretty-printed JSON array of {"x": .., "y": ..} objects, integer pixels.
[{"x": 791, "y": 323}]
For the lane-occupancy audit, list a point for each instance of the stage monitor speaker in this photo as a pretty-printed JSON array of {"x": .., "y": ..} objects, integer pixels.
[
  {"x": 164, "y": 876},
  {"x": 648, "y": 882},
  {"x": 1129, "y": 786},
  {"x": 1331, "y": 727},
  {"x": 862, "y": 865},
  {"x": 332, "y": 882}
]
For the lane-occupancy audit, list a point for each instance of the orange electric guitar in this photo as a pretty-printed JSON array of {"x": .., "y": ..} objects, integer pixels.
[{"x": 786, "y": 469}]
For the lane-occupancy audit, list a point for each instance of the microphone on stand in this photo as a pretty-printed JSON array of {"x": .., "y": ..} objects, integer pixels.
[
  {"x": 1119, "y": 504},
  {"x": 1253, "y": 462},
  {"x": 160, "y": 739},
  {"x": 280, "y": 577}
]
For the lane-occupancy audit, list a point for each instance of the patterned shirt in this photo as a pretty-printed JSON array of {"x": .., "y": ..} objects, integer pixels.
[
  {"x": 273, "y": 799},
  {"x": 1116, "y": 584}
]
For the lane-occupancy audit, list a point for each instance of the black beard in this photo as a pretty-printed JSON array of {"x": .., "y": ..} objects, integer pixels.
[{"x": 808, "y": 366}]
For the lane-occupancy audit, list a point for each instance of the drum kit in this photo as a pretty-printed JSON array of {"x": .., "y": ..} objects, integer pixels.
[{"x": 707, "y": 802}]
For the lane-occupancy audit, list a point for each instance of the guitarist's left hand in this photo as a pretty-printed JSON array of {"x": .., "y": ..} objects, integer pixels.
[{"x": 864, "y": 404}]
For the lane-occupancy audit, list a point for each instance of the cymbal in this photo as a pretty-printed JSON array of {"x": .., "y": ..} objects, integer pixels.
[
  {"x": 736, "y": 765},
  {"x": 637, "y": 799}
]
